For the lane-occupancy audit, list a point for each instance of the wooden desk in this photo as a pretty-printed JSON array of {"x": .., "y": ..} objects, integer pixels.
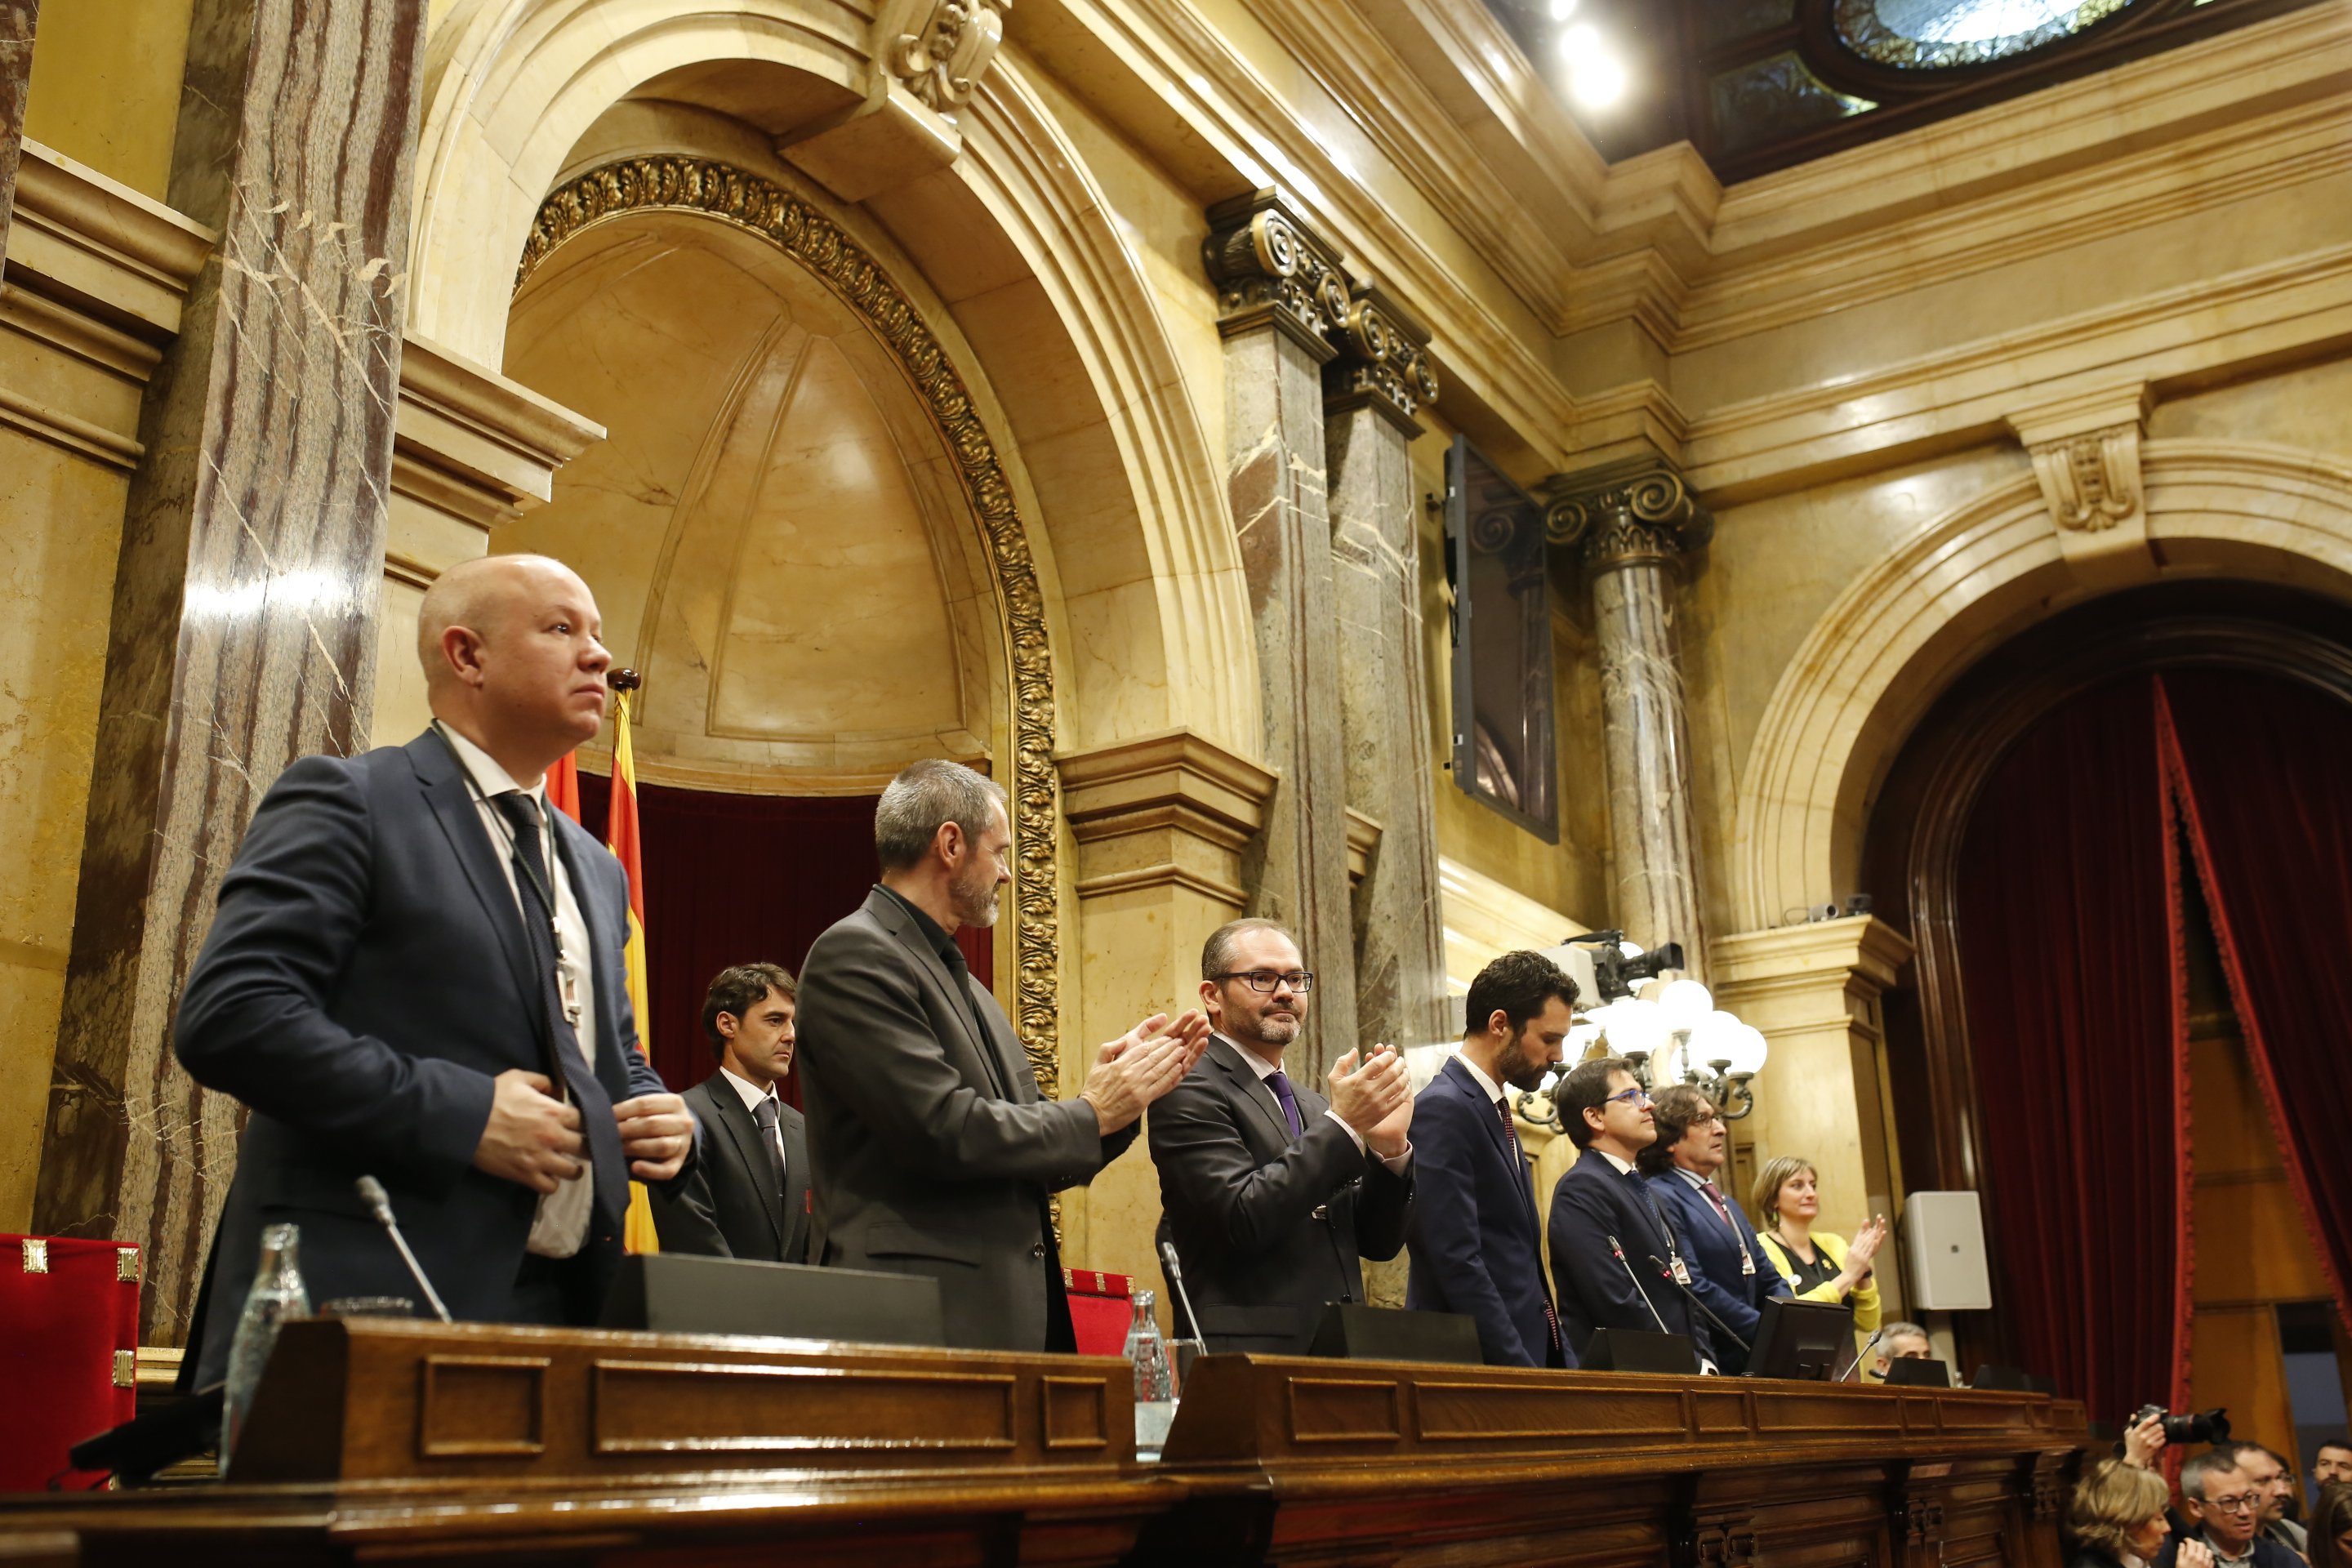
[{"x": 396, "y": 1442}]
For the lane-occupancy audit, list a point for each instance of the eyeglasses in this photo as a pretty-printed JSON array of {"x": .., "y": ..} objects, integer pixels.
[
  {"x": 1637, "y": 1095},
  {"x": 1264, "y": 981},
  {"x": 2245, "y": 1503}
]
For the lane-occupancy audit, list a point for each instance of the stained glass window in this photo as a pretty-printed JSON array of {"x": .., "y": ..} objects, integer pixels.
[
  {"x": 1775, "y": 97},
  {"x": 1934, "y": 35}
]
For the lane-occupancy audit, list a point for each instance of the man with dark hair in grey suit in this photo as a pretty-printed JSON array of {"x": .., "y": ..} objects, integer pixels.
[
  {"x": 748, "y": 1194},
  {"x": 933, "y": 1151},
  {"x": 416, "y": 974}
]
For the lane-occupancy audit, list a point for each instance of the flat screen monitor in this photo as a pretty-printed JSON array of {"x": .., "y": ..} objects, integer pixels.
[
  {"x": 1918, "y": 1372},
  {"x": 1812, "y": 1342}
]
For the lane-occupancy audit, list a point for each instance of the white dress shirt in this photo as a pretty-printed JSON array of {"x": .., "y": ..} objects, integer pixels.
[
  {"x": 561, "y": 1224},
  {"x": 752, "y": 1095}
]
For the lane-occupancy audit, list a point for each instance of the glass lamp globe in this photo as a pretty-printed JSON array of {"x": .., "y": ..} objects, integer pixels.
[
  {"x": 1636, "y": 1028},
  {"x": 1686, "y": 1004},
  {"x": 1714, "y": 1038},
  {"x": 1748, "y": 1051}
]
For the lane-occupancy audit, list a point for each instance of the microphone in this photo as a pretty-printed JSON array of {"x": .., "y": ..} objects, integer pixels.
[
  {"x": 371, "y": 1194},
  {"x": 1853, "y": 1372},
  {"x": 1618, "y": 1253},
  {"x": 1692, "y": 1297},
  {"x": 1176, "y": 1280}
]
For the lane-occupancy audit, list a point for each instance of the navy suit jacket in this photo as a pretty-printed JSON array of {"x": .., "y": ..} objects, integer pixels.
[
  {"x": 1592, "y": 1203},
  {"x": 365, "y": 980},
  {"x": 1713, "y": 1253},
  {"x": 1475, "y": 1244}
]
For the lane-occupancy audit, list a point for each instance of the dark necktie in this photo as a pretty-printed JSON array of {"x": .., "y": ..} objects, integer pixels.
[
  {"x": 764, "y": 1113},
  {"x": 530, "y": 875},
  {"x": 1279, "y": 1081},
  {"x": 1519, "y": 1163},
  {"x": 1721, "y": 1213}
]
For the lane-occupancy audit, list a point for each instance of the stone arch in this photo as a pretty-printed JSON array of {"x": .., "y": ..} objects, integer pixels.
[
  {"x": 1901, "y": 633},
  {"x": 1136, "y": 552}
]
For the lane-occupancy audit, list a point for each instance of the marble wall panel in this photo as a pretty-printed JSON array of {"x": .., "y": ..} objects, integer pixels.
[
  {"x": 1296, "y": 870},
  {"x": 1376, "y": 576},
  {"x": 17, "y": 18},
  {"x": 243, "y": 628},
  {"x": 107, "y": 93}
]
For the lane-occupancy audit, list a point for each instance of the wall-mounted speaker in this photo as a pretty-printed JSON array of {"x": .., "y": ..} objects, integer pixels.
[{"x": 1944, "y": 1245}]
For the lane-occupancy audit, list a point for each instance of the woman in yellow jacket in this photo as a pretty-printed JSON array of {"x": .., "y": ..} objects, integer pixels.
[{"x": 1818, "y": 1266}]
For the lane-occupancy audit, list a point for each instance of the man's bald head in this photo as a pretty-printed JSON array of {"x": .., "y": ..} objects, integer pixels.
[
  {"x": 482, "y": 596},
  {"x": 514, "y": 659}
]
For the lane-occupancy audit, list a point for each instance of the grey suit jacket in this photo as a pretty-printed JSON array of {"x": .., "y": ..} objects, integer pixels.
[
  {"x": 364, "y": 982},
  {"x": 930, "y": 1150},
  {"x": 1268, "y": 1228},
  {"x": 728, "y": 1208}
]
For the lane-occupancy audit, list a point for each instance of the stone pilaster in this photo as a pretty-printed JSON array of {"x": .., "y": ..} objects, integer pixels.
[
  {"x": 1161, "y": 825},
  {"x": 1374, "y": 388},
  {"x": 1280, "y": 297},
  {"x": 242, "y": 627},
  {"x": 1814, "y": 992},
  {"x": 1630, "y": 521},
  {"x": 17, "y": 18}
]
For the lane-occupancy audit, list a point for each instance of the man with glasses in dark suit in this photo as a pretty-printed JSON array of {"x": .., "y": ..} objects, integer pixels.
[
  {"x": 1606, "y": 1224},
  {"x": 1272, "y": 1193},
  {"x": 1728, "y": 1269}
]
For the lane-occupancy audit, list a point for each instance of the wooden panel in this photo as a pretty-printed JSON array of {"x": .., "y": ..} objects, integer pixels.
[
  {"x": 482, "y": 1405},
  {"x": 1455, "y": 1412},
  {"x": 1076, "y": 1413},
  {"x": 658, "y": 1407},
  {"x": 1344, "y": 1410}
]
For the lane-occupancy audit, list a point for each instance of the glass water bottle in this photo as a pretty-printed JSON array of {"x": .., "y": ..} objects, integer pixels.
[
  {"x": 1155, "y": 1379},
  {"x": 276, "y": 1296}
]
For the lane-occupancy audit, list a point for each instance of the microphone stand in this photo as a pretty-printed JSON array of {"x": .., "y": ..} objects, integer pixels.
[
  {"x": 1692, "y": 1297},
  {"x": 1619, "y": 1254},
  {"x": 379, "y": 1204}
]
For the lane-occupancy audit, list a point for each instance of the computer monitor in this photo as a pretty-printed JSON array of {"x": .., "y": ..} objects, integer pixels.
[
  {"x": 1634, "y": 1350},
  {"x": 1811, "y": 1342},
  {"x": 1918, "y": 1372}
]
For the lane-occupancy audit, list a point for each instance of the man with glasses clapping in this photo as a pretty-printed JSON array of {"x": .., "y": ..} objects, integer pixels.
[
  {"x": 1272, "y": 1193},
  {"x": 1612, "y": 1247}
]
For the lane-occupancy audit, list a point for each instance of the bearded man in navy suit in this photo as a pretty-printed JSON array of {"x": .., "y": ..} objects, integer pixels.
[
  {"x": 416, "y": 974},
  {"x": 1477, "y": 1247}
]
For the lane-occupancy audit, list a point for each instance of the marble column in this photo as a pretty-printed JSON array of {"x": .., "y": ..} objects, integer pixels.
[
  {"x": 1631, "y": 521},
  {"x": 1280, "y": 295},
  {"x": 1373, "y": 389},
  {"x": 17, "y": 21},
  {"x": 243, "y": 625}
]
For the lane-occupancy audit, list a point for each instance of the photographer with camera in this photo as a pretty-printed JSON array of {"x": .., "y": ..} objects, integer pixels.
[{"x": 2225, "y": 1510}]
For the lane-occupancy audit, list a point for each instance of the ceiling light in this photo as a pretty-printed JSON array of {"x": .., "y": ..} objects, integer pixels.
[
  {"x": 1596, "y": 78},
  {"x": 1562, "y": 10}
]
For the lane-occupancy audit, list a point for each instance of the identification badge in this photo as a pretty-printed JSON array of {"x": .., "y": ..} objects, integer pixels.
[
  {"x": 1747, "y": 1260},
  {"x": 567, "y": 990},
  {"x": 1681, "y": 1271}
]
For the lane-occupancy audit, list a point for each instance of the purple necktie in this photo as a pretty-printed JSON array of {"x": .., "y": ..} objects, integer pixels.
[{"x": 1281, "y": 1083}]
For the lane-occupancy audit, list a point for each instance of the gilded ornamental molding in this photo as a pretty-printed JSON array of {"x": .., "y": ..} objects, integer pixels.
[
  {"x": 794, "y": 226},
  {"x": 1623, "y": 513}
]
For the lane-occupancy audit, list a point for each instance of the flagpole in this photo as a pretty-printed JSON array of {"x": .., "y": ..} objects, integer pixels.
[{"x": 637, "y": 1229}]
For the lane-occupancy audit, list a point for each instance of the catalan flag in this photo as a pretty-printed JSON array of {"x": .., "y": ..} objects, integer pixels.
[
  {"x": 563, "y": 787},
  {"x": 621, "y": 838}
]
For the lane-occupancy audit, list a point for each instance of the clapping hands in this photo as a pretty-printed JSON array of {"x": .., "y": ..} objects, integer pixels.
[{"x": 1141, "y": 1064}]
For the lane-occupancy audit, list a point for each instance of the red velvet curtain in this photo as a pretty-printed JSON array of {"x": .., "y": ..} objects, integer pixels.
[
  {"x": 2265, "y": 770},
  {"x": 740, "y": 878},
  {"x": 2077, "y": 1023}
]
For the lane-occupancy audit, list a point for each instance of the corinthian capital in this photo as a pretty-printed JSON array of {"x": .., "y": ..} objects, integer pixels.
[
  {"x": 1383, "y": 360},
  {"x": 1271, "y": 269},
  {"x": 1623, "y": 513}
]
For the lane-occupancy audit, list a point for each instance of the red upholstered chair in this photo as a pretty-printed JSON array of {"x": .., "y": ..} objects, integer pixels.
[
  {"x": 1100, "y": 1310},
  {"x": 68, "y": 1348}
]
